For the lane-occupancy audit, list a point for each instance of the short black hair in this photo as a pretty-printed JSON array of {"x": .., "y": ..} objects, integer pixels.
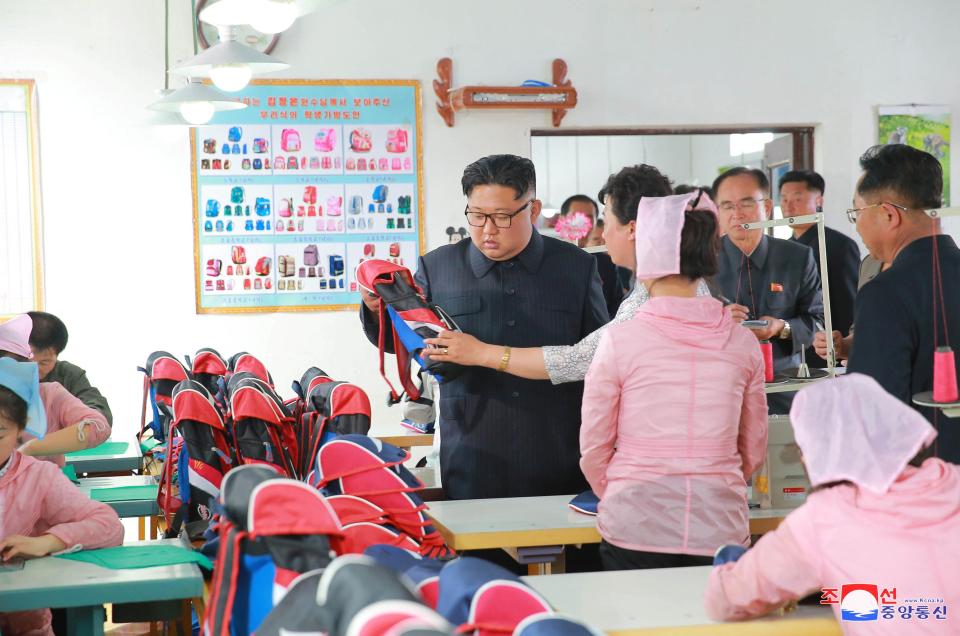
[
  {"x": 48, "y": 332},
  {"x": 631, "y": 184},
  {"x": 13, "y": 407},
  {"x": 579, "y": 198},
  {"x": 762, "y": 182},
  {"x": 811, "y": 179},
  {"x": 699, "y": 244},
  {"x": 686, "y": 188},
  {"x": 913, "y": 175},
  {"x": 509, "y": 171}
]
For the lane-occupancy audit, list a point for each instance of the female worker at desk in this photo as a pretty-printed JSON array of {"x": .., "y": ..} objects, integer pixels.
[
  {"x": 40, "y": 510},
  {"x": 560, "y": 364},
  {"x": 879, "y": 513},
  {"x": 674, "y": 410},
  {"x": 71, "y": 424}
]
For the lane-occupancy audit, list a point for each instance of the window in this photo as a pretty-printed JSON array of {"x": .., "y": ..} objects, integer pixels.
[{"x": 21, "y": 252}]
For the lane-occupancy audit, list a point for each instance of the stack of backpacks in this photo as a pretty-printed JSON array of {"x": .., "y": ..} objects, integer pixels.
[
  {"x": 313, "y": 526},
  {"x": 212, "y": 416}
]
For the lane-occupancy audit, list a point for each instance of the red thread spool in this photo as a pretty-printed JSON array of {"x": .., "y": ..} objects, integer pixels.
[
  {"x": 767, "y": 348},
  {"x": 944, "y": 376}
]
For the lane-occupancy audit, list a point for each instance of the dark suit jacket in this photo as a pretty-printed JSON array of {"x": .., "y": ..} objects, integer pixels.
[
  {"x": 894, "y": 328},
  {"x": 843, "y": 271},
  {"x": 504, "y": 436},
  {"x": 785, "y": 285},
  {"x": 610, "y": 279}
]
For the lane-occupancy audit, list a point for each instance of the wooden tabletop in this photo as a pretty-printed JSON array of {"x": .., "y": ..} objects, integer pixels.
[
  {"x": 661, "y": 602},
  {"x": 518, "y": 522},
  {"x": 408, "y": 440}
]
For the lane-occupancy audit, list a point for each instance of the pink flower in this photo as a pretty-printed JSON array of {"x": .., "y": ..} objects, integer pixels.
[{"x": 574, "y": 227}]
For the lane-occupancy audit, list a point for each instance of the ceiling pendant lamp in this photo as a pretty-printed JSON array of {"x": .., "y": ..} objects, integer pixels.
[
  {"x": 230, "y": 64},
  {"x": 196, "y": 102}
]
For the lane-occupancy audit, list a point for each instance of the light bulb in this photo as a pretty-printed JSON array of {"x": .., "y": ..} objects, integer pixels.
[
  {"x": 230, "y": 77},
  {"x": 273, "y": 16},
  {"x": 197, "y": 113}
]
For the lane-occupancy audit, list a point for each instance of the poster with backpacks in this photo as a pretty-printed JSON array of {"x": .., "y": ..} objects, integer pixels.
[{"x": 291, "y": 194}]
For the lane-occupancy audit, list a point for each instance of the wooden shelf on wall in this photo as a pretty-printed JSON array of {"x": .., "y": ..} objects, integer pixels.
[{"x": 558, "y": 98}]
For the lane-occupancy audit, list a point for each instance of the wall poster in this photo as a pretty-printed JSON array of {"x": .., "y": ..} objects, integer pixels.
[
  {"x": 920, "y": 126},
  {"x": 293, "y": 192}
]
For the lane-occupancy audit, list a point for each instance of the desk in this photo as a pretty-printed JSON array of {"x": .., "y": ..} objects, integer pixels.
[
  {"x": 661, "y": 602},
  {"x": 83, "y": 588},
  {"x": 95, "y": 464},
  {"x": 143, "y": 507},
  {"x": 408, "y": 440},
  {"x": 523, "y": 524}
]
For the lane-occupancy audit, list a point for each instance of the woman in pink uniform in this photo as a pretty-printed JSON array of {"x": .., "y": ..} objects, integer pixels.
[
  {"x": 40, "y": 510},
  {"x": 674, "y": 411},
  {"x": 71, "y": 425},
  {"x": 878, "y": 514}
]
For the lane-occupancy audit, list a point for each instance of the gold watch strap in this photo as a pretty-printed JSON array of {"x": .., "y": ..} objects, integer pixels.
[{"x": 505, "y": 360}]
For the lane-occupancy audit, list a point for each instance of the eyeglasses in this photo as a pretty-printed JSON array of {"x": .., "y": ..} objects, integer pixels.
[
  {"x": 747, "y": 205},
  {"x": 502, "y": 220},
  {"x": 853, "y": 213}
]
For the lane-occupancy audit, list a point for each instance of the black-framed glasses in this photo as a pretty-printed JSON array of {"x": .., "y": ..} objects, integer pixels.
[
  {"x": 747, "y": 205},
  {"x": 853, "y": 213},
  {"x": 502, "y": 220}
]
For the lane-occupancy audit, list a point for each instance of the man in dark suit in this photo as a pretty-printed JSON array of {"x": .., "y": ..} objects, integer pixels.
[
  {"x": 504, "y": 436},
  {"x": 801, "y": 193},
  {"x": 897, "y": 331},
  {"x": 609, "y": 277},
  {"x": 766, "y": 278}
]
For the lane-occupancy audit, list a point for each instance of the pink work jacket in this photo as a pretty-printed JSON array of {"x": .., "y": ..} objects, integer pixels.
[{"x": 674, "y": 423}]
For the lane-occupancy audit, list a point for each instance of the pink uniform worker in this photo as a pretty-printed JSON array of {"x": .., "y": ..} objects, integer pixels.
[
  {"x": 40, "y": 510},
  {"x": 88, "y": 426},
  {"x": 873, "y": 517},
  {"x": 674, "y": 417}
]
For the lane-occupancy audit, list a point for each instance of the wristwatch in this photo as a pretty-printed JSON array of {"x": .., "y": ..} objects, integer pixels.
[{"x": 786, "y": 333}]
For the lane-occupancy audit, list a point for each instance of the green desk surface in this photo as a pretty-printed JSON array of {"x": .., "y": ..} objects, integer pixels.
[
  {"x": 108, "y": 457},
  {"x": 53, "y": 582},
  {"x": 129, "y": 496},
  {"x": 107, "y": 448},
  {"x": 124, "y": 493}
]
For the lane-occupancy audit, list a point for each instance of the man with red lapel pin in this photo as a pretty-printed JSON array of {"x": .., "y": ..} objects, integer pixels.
[{"x": 770, "y": 282}]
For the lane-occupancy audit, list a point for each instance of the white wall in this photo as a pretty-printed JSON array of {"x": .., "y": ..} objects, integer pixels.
[{"x": 117, "y": 202}]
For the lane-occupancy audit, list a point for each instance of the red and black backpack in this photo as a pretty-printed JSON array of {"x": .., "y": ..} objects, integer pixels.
[
  {"x": 161, "y": 374},
  {"x": 191, "y": 478},
  {"x": 412, "y": 319},
  {"x": 262, "y": 428}
]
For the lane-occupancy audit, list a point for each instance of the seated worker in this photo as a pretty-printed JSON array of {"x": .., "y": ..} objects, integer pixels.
[
  {"x": 40, "y": 510},
  {"x": 568, "y": 363},
  {"x": 674, "y": 410},
  {"x": 47, "y": 341},
  {"x": 878, "y": 513},
  {"x": 71, "y": 425}
]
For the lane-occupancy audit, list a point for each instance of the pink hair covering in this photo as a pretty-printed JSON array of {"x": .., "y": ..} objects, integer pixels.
[
  {"x": 659, "y": 229},
  {"x": 851, "y": 429},
  {"x": 15, "y": 336}
]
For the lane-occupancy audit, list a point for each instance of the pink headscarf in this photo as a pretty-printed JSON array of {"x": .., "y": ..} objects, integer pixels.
[
  {"x": 15, "y": 336},
  {"x": 851, "y": 429},
  {"x": 659, "y": 229}
]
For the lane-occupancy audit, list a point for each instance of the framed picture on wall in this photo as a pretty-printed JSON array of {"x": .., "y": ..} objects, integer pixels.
[{"x": 293, "y": 192}]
